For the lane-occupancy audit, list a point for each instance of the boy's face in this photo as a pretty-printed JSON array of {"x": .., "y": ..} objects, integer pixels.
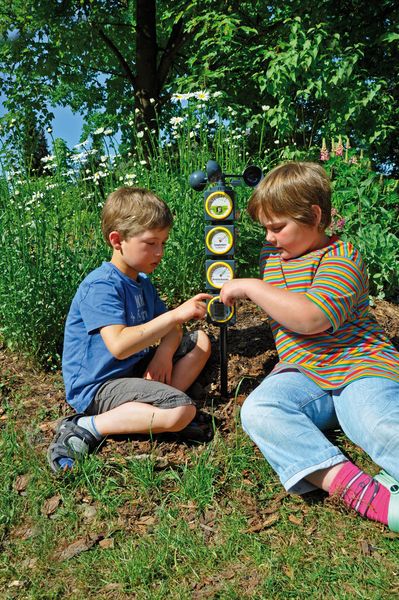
[
  {"x": 290, "y": 238},
  {"x": 142, "y": 252}
]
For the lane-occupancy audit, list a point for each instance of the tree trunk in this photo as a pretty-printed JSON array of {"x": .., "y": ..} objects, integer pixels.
[{"x": 147, "y": 90}]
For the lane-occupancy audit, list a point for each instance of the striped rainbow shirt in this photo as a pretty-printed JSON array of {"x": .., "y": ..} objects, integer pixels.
[{"x": 355, "y": 346}]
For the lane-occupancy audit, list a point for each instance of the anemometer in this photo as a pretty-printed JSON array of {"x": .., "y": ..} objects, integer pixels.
[{"x": 219, "y": 215}]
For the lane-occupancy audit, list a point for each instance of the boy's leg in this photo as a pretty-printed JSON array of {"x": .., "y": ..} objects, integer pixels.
[
  {"x": 137, "y": 417},
  {"x": 129, "y": 405},
  {"x": 190, "y": 359},
  {"x": 284, "y": 416}
]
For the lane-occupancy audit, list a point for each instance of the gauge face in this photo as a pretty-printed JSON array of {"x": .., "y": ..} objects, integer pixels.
[
  {"x": 219, "y": 312},
  {"x": 219, "y": 240},
  {"x": 218, "y": 205},
  {"x": 218, "y": 273}
]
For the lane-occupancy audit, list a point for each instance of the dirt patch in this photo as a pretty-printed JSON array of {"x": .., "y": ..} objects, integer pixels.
[{"x": 38, "y": 397}]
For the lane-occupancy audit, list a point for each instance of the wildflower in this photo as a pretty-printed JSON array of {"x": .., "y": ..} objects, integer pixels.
[
  {"x": 143, "y": 162},
  {"x": 324, "y": 153},
  {"x": 265, "y": 107},
  {"x": 176, "y": 121},
  {"x": 104, "y": 158},
  {"x": 140, "y": 134},
  {"x": 99, "y": 131},
  {"x": 108, "y": 131},
  {"x": 47, "y": 158},
  {"x": 353, "y": 160},
  {"x": 276, "y": 141},
  {"x": 201, "y": 95},
  {"x": 181, "y": 97},
  {"x": 211, "y": 121},
  {"x": 49, "y": 129},
  {"x": 136, "y": 110},
  {"x": 217, "y": 94},
  {"x": 339, "y": 149},
  {"x": 84, "y": 143},
  {"x": 152, "y": 100},
  {"x": 192, "y": 134}
]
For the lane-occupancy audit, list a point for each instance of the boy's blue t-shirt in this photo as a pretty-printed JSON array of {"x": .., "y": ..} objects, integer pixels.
[{"x": 105, "y": 297}]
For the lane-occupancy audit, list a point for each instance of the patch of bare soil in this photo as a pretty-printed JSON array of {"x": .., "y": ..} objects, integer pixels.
[{"x": 38, "y": 397}]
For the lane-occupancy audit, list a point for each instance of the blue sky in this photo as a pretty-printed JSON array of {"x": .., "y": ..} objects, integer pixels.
[{"x": 66, "y": 125}]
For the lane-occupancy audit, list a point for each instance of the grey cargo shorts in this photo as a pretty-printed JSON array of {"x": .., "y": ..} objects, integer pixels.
[{"x": 134, "y": 388}]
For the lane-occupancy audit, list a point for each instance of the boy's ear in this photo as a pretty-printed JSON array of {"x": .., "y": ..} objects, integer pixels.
[{"x": 115, "y": 240}]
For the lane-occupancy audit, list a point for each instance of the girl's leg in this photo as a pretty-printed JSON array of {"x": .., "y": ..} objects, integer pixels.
[
  {"x": 187, "y": 368},
  {"x": 368, "y": 411},
  {"x": 284, "y": 416}
]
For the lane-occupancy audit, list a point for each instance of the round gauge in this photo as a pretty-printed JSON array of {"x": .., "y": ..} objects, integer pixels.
[
  {"x": 218, "y": 273},
  {"x": 218, "y": 205},
  {"x": 219, "y": 240},
  {"x": 219, "y": 312}
]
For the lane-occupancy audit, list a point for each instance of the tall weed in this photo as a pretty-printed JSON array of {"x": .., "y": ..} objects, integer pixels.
[{"x": 50, "y": 226}]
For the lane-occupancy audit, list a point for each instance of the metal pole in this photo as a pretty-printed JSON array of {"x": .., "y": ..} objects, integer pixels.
[{"x": 223, "y": 361}]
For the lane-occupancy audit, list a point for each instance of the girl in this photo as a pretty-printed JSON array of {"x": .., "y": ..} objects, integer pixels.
[{"x": 336, "y": 364}]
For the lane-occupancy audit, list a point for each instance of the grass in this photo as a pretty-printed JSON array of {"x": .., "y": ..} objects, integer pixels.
[
  {"x": 172, "y": 522},
  {"x": 150, "y": 519}
]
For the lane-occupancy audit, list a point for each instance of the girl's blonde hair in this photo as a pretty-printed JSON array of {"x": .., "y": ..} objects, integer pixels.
[
  {"x": 132, "y": 210},
  {"x": 290, "y": 190}
]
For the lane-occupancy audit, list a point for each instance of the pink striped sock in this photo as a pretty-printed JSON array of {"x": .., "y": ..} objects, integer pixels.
[{"x": 362, "y": 493}]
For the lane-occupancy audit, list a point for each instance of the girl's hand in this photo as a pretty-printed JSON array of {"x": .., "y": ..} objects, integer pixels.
[{"x": 232, "y": 290}]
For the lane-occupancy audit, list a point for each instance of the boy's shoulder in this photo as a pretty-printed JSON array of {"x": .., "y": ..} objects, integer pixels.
[{"x": 107, "y": 272}]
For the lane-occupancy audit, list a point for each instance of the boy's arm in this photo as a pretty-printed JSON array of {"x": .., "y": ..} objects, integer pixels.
[
  {"x": 123, "y": 341},
  {"x": 292, "y": 310}
]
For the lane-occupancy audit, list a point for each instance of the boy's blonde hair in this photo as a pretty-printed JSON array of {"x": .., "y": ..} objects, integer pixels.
[
  {"x": 290, "y": 190},
  {"x": 132, "y": 210}
]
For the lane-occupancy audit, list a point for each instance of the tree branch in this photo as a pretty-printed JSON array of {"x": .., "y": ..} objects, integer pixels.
[
  {"x": 123, "y": 63},
  {"x": 176, "y": 40}
]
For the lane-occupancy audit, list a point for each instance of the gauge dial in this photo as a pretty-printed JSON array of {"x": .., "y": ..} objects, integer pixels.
[
  {"x": 218, "y": 273},
  {"x": 219, "y": 312},
  {"x": 218, "y": 205},
  {"x": 219, "y": 240}
]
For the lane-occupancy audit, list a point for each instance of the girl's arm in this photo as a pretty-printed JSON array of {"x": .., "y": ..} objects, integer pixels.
[{"x": 292, "y": 310}]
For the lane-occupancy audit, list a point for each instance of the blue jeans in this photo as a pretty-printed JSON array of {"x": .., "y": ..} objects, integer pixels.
[{"x": 286, "y": 414}]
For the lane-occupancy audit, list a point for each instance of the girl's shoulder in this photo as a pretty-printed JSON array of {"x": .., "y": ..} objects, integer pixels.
[{"x": 340, "y": 248}]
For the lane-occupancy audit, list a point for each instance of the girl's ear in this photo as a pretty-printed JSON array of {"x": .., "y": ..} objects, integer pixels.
[
  {"x": 317, "y": 214},
  {"x": 115, "y": 240}
]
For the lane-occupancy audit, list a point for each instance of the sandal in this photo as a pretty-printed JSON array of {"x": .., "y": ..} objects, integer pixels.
[
  {"x": 61, "y": 446},
  {"x": 199, "y": 430},
  {"x": 393, "y": 487}
]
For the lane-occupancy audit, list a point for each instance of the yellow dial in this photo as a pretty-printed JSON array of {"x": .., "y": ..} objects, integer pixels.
[
  {"x": 219, "y": 240},
  {"x": 218, "y": 273},
  {"x": 218, "y": 205},
  {"x": 219, "y": 312}
]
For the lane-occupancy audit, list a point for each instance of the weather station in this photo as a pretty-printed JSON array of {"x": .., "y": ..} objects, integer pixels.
[{"x": 220, "y": 238}]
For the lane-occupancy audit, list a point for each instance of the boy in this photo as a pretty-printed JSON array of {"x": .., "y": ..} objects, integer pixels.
[
  {"x": 114, "y": 379},
  {"x": 336, "y": 364}
]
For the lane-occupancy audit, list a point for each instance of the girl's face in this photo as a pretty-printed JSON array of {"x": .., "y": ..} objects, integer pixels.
[{"x": 292, "y": 239}]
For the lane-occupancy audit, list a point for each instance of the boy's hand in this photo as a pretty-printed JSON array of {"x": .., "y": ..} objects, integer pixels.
[
  {"x": 159, "y": 369},
  {"x": 232, "y": 290},
  {"x": 195, "y": 308}
]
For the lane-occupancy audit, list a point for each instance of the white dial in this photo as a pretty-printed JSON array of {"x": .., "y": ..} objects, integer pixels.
[
  {"x": 219, "y": 273},
  {"x": 219, "y": 205},
  {"x": 219, "y": 240}
]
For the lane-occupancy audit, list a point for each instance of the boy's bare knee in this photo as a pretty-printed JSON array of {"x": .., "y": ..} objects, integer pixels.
[
  {"x": 203, "y": 343},
  {"x": 180, "y": 417}
]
